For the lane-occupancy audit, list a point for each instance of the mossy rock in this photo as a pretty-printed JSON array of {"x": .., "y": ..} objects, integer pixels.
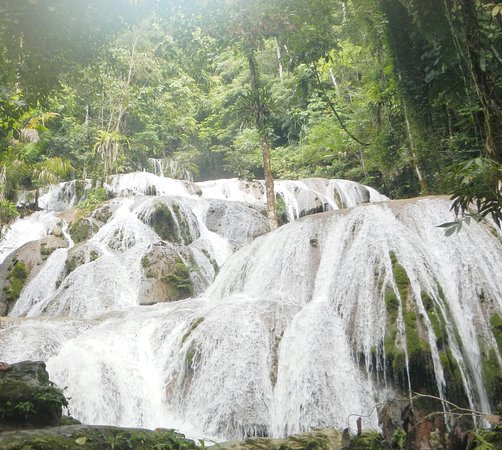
[
  {"x": 368, "y": 440},
  {"x": 16, "y": 278},
  {"x": 82, "y": 229},
  {"x": 27, "y": 398},
  {"x": 492, "y": 376},
  {"x": 168, "y": 275},
  {"x": 419, "y": 367},
  {"x": 103, "y": 213},
  {"x": 76, "y": 437},
  {"x": 169, "y": 222},
  {"x": 496, "y": 323},
  {"x": 325, "y": 439},
  {"x": 81, "y": 254}
]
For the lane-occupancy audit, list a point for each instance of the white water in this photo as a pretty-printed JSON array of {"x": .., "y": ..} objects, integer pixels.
[
  {"x": 27, "y": 229},
  {"x": 274, "y": 345}
]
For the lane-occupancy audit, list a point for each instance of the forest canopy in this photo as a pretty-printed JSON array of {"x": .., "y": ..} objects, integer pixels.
[{"x": 403, "y": 95}]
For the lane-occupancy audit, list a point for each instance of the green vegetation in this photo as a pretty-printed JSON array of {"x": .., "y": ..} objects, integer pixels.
[
  {"x": 8, "y": 212},
  {"x": 398, "y": 94},
  {"x": 16, "y": 278},
  {"x": 81, "y": 229},
  {"x": 169, "y": 223},
  {"x": 369, "y": 441},
  {"x": 181, "y": 280},
  {"x": 93, "y": 199},
  {"x": 29, "y": 403},
  {"x": 281, "y": 210},
  {"x": 104, "y": 438}
]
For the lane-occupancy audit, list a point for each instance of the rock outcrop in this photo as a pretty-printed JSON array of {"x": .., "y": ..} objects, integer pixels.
[{"x": 27, "y": 398}]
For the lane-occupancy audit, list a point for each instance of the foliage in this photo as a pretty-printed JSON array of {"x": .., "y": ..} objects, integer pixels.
[
  {"x": 92, "y": 200},
  {"x": 16, "y": 278},
  {"x": 476, "y": 192},
  {"x": 203, "y": 85},
  {"x": 8, "y": 212}
]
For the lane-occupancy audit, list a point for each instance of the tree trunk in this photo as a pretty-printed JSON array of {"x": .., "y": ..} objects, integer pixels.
[
  {"x": 413, "y": 152},
  {"x": 279, "y": 59},
  {"x": 269, "y": 185},
  {"x": 259, "y": 112}
]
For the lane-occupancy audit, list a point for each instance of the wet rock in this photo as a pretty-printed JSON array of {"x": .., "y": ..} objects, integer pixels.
[
  {"x": 22, "y": 265},
  {"x": 27, "y": 398},
  {"x": 83, "y": 228},
  {"x": 238, "y": 222},
  {"x": 167, "y": 274},
  {"x": 325, "y": 439},
  {"x": 170, "y": 220},
  {"x": 80, "y": 254},
  {"x": 76, "y": 437}
]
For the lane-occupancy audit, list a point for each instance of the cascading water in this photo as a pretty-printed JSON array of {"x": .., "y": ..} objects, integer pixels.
[{"x": 303, "y": 327}]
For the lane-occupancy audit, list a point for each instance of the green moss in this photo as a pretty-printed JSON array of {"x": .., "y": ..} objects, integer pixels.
[
  {"x": 24, "y": 403},
  {"x": 170, "y": 224},
  {"x": 73, "y": 262},
  {"x": 94, "y": 198},
  {"x": 101, "y": 438},
  {"x": 419, "y": 367},
  {"x": 369, "y": 440},
  {"x": 436, "y": 319},
  {"x": 80, "y": 230},
  {"x": 400, "y": 277},
  {"x": 496, "y": 323},
  {"x": 195, "y": 323},
  {"x": 68, "y": 420},
  {"x": 46, "y": 251},
  {"x": 492, "y": 375},
  {"x": 103, "y": 214},
  {"x": 211, "y": 260},
  {"x": 414, "y": 342},
  {"x": 281, "y": 210},
  {"x": 451, "y": 367},
  {"x": 180, "y": 279},
  {"x": 163, "y": 223},
  {"x": 16, "y": 278}
]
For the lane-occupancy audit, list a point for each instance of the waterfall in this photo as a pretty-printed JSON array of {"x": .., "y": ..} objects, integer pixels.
[{"x": 307, "y": 326}]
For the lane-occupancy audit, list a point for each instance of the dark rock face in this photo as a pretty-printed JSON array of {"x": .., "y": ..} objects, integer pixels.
[{"x": 27, "y": 398}]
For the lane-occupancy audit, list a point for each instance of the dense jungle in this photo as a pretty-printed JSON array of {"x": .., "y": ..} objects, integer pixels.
[{"x": 264, "y": 224}]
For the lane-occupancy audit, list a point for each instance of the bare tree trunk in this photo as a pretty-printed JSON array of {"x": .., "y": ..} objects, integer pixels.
[
  {"x": 260, "y": 119},
  {"x": 279, "y": 59},
  {"x": 269, "y": 185},
  {"x": 413, "y": 152},
  {"x": 335, "y": 83}
]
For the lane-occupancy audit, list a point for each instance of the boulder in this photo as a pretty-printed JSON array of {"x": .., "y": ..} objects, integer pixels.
[
  {"x": 167, "y": 275},
  {"x": 27, "y": 398},
  {"x": 23, "y": 264}
]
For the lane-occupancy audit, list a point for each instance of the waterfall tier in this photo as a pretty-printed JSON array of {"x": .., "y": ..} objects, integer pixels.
[{"x": 301, "y": 328}]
